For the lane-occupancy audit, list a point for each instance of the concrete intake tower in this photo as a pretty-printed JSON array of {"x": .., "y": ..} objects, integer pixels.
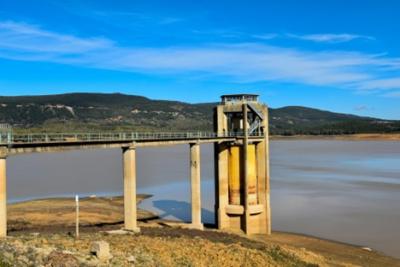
[{"x": 242, "y": 166}]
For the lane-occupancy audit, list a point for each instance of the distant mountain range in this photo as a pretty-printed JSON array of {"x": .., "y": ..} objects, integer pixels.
[{"x": 90, "y": 111}]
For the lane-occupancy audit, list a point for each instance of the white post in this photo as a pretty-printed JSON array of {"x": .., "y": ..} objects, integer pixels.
[
  {"x": 77, "y": 216},
  {"x": 3, "y": 197}
]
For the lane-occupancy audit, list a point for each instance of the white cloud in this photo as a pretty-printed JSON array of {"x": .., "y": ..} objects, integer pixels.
[
  {"x": 27, "y": 38},
  {"x": 381, "y": 84},
  {"x": 245, "y": 62},
  {"x": 266, "y": 36},
  {"x": 320, "y": 38},
  {"x": 329, "y": 37}
]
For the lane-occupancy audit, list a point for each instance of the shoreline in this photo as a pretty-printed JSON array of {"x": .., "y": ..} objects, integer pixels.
[
  {"x": 350, "y": 137},
  {"x": 33, "y": 216},
  {"x": 140, "y": 197}
]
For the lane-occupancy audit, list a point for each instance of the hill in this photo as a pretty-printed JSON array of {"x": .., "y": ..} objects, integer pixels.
[
  {"x": 301, "y": 120},
  {"x": 93, "y": 111}
]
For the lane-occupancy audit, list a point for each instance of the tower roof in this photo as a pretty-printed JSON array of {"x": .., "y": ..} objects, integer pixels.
[{"x": 239, "y": 98}]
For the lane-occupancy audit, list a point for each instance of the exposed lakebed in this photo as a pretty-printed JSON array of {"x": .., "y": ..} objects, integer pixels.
[{"x": 347, "y": 191}]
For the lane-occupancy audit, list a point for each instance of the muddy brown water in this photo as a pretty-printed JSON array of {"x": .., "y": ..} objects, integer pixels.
[{"x": 347, "y": 191}]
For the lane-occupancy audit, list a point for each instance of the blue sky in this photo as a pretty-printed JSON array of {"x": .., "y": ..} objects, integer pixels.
[{"x": 338, "y": 55}]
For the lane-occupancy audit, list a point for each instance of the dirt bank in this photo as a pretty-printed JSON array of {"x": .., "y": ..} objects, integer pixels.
[
  {"x": 161, "y": 243},
  {"x": 60, "y": 212}
]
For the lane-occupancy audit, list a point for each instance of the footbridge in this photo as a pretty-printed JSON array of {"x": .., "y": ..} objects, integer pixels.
[
  {"x": 54, "y": 142},
  {"x": 240, "y": 139}
]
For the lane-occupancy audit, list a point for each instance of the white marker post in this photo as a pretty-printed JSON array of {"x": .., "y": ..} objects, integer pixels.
[{"x": 77, "y": 216}]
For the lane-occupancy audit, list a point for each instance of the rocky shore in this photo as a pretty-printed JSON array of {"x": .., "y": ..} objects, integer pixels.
[{"x": 160, "y": 243}]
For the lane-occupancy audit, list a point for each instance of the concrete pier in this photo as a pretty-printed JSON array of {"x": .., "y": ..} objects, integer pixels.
[
  {"x": 242, "y": 175},
  {"x": 130, "y": 206},
  {"x": 267, "y": 173},
  {"x": 235, "y": 169},
  {"x": 222, "y": 185},
  {"x": 3, "y": 195},
  {"x": 246, "y": 222},
  {"x": 195, "y": 186}
]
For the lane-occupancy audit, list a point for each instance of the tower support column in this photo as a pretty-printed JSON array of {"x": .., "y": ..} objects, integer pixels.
[
  {"x": 222, "y": 188},
  {"x": 195, "y": 186},
  {"x": 246, "y": 222},
  {"x": 267, "y": 172},
  {"x": 130, "y": 204},
  {"x": 3, "y": 193}
]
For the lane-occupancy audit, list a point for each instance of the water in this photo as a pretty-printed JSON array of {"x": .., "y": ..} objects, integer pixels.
[{"x": 341, "y": 190}]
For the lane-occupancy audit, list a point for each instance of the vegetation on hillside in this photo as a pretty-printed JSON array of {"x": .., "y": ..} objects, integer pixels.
[{"x": 118, "y": 112}]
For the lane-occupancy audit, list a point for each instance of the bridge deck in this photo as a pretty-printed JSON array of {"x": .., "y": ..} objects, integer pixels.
[{"x": 29, "y": 143}]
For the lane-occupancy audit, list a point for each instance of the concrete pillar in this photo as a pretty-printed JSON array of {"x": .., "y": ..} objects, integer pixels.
[
  {"x": 267, "y": 171},
  {"x": 252, "y": 175},
  {"x": 130, "y": 206},
  {"x": 221, "y": 197},
  {"x": 246, "y": 222},
  {"x": 195, "y": 186},
  {"x": 221, "y": 126},
  {"x": 3, "y": 194},
  {"x": 234, "y": 180},
  {"x": 262, "y": 185},
  {"x": 221, "y": 156}
]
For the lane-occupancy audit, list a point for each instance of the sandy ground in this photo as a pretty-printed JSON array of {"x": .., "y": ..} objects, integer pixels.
[
  {"x": 332, "y": 251},
  {"x": 60, "y": 212},
  {"x": 172, "y": 244}
]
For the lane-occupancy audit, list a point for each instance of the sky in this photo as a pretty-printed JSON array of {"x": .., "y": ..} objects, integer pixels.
[{"x": 337, "y": 55}]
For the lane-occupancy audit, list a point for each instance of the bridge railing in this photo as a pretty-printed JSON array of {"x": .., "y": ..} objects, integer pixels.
[
  {"x": 5, "y": 137},
  {"x": 5, "y": 133},
  {"x": 112, "y": 136}
]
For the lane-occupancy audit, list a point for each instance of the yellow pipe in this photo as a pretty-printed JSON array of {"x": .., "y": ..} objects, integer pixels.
[
  {"x": 234, "y": 175},
  {"x": 252, "y": 174}
]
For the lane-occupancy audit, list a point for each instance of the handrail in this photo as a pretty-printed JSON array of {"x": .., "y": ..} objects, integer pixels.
[
  {"x": 9, "y": 139},
  {"x": 5, "y": 126}
]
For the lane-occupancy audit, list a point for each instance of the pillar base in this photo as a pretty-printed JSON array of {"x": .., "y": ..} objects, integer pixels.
[
  {"x": 195, "y": 226},
  {"x": 135, "y": 230}
]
